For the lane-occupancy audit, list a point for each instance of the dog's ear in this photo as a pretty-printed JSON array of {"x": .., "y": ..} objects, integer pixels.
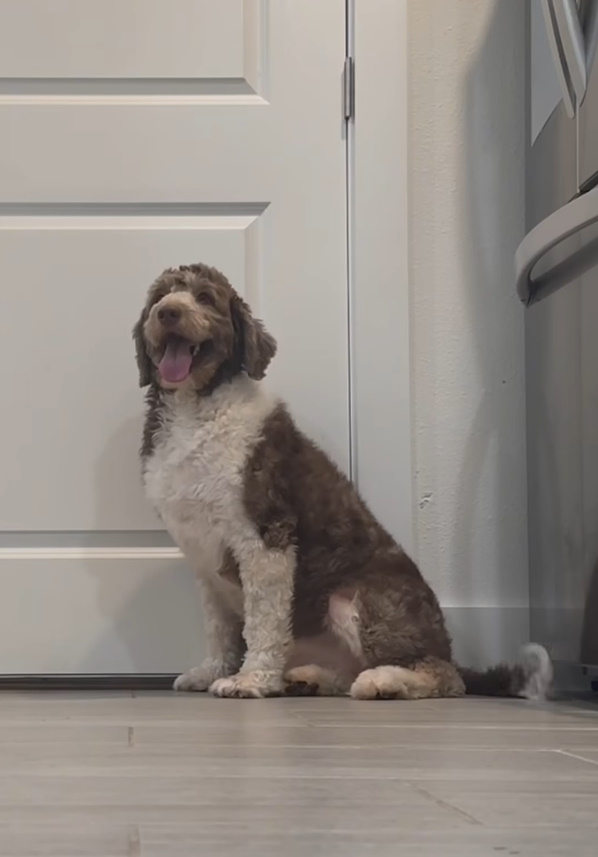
[
  {"x": 144, "y": 364},
  {"x": 254, "y": 344}
]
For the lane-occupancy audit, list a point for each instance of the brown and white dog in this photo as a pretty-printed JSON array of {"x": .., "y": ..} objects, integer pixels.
[{"x": 303, "y": 590}]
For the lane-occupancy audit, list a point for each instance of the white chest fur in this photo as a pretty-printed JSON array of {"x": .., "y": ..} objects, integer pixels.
[{"x": 194, "y": 477}]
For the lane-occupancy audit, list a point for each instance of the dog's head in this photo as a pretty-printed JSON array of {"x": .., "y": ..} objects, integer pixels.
[{"x": 195, "y": 331}]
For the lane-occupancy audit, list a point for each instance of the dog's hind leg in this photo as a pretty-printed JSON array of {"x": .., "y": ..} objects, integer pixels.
[
  {"x": 394, "y": 626},
  {"x": 428, "y": 678},
  {"x": 314, "y": 680},
  {"x": 322, "y": 665}
]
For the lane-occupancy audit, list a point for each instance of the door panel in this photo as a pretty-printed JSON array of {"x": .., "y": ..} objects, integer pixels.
[
  {"x": 87, "y": 402},
  {"x": 116, "y": 39},
  {"x": 97, "y": 610},
  {"x": 214, "y": 140}
]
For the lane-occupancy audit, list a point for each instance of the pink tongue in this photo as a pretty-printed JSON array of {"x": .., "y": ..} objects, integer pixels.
[{"x": 175, "y": 365}]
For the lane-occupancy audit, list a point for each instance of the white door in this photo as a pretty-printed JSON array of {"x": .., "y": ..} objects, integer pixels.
[{"x": 135, "y": 135}]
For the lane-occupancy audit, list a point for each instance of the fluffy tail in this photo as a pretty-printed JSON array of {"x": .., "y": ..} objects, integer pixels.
[{"x": 530, "y": 678}]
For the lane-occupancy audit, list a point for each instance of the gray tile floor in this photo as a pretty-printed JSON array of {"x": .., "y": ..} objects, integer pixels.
[{"x": 164, "y": 775}]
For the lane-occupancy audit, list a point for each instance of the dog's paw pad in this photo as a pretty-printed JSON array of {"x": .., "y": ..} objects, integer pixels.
[
  {"x": 302, "y": 681},
  {"x": 251, "y": 685},
  {"x": 380, "y": 683},
  {"x": 301, "y": 688},
  {"x": 195, "y": 680}
]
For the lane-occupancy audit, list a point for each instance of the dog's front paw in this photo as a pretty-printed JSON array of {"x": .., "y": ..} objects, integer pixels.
[
  {"x": 250, "y": 685},
  {"x": 199, "y": 679}
]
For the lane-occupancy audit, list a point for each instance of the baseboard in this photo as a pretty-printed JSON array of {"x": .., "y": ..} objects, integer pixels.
[{"x": 116, "y": 682}]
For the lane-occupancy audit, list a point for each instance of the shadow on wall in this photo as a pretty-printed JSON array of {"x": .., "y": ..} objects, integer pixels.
[
  {"x": 490, "y": 519},
  {"x": 147, "y": 606},
  {"x": 589, "y": 632}
]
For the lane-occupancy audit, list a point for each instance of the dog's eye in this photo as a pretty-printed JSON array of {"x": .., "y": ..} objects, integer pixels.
[
  {"x": 157, "y": 298},
  {"x": 205, "y": 298}
]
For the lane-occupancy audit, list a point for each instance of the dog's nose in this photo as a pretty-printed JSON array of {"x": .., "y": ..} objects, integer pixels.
[{"x": 169, "y": 315}]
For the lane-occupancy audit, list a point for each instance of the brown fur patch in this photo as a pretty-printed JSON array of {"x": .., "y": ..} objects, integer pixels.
[
  {"x": 153, "y": 420},
  {"x": 295, "y": 495},
  {"x": 501, "y": 680}
]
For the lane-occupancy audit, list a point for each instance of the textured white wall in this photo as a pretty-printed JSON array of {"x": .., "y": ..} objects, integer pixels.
[{"x": 466, "y": 149}]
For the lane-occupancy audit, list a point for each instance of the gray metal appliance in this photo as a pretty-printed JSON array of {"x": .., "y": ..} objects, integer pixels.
[{"x": 557, "y": 278}]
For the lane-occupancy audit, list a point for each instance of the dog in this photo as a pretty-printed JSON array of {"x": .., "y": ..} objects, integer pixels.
[{"x": 304, "y": 592}]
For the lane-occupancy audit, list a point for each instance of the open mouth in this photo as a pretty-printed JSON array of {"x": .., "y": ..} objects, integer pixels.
[{"x": 177, "y": 361}]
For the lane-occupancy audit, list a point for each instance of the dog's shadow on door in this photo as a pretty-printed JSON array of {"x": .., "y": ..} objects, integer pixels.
[{"x": 145, "y": 601}]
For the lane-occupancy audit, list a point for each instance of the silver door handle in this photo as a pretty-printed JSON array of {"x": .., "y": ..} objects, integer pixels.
[
  {"x": 554, "y": 24},
  {"x": 562, "y": 224}
]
